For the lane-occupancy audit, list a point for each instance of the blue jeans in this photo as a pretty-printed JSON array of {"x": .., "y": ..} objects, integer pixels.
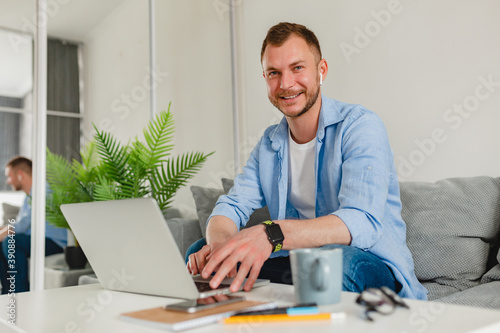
[
  {"x": 21, "y": 251},
  {"x": 362, "y": 269}
]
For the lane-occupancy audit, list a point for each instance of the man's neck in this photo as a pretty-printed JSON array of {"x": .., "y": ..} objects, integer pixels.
[
  {"x": 304, "y": 128},
  {"x": 26, "y": 188}
]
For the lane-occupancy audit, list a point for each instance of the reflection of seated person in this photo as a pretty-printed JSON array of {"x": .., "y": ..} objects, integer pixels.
[{"x": 18, "y": 174}]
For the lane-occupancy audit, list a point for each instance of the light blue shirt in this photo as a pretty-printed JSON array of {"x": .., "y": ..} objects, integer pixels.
[
  {"x": 356, "y": 180},
  {"x": 23, "y": 224}
]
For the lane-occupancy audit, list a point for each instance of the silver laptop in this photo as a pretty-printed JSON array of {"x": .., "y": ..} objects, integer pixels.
[{"x": 130, "y": 247}]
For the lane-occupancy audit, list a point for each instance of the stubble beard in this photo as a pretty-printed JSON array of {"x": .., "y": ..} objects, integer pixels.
[
  {"x": 16, "y": 187},
  {"x": 309, "y": 103}
]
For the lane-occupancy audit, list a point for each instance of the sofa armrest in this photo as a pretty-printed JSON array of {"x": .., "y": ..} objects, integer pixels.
[{"x": 185, "y": 232}]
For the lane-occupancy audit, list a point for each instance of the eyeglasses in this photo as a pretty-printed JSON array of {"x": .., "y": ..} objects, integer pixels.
[{"x": 383, "y": 300}]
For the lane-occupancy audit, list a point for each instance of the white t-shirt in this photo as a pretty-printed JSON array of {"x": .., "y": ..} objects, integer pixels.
[{"x": 301, "y": 177}]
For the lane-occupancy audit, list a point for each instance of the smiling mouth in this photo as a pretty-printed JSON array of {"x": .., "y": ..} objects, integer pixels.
[{"x": 290, "y": 97}]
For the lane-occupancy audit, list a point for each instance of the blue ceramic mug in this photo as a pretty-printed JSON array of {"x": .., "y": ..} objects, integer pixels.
[{"x": 317, "y": 275}]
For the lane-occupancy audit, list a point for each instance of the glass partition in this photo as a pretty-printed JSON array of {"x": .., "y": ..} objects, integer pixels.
[
  {"x": 97, "y": 56},
  {"x": 16, "y": 87}
]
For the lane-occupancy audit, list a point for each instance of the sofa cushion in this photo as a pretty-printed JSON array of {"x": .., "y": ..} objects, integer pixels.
[
  {"x": 485, "y": 296},
  {"x": 9, "y": 212},
  {"x": 494, "y": 273},
  {"x": 437, "y": 291},
  {"x": 451, "y": 226},
  {"x": 185, "y": 232},
  {"x": 205, "y": 199},
  {"x": 258, "y": 216}
]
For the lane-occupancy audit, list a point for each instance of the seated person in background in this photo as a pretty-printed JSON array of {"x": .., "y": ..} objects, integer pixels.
[
  {"x": 18, "y": 172},
  {"x": 326, "y": 172}
]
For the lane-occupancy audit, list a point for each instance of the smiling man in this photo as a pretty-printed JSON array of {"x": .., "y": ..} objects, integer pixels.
[{"x": 327, "y": 175}]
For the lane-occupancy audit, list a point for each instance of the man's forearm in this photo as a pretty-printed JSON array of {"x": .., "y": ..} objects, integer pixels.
[
  {"x": 329, "y": 229},
  {"x": 220, "y": 229}
]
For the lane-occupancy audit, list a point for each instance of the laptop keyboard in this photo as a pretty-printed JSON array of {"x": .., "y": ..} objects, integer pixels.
[{"x": 204, "y": 286}]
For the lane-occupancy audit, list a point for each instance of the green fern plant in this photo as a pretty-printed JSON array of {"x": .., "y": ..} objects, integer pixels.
[{"x": 112, "y": 171}]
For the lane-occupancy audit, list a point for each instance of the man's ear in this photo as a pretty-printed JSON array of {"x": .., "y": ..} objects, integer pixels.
[
  {"x": 323, "y": 68},
  {"x": 21, "y": 175}
]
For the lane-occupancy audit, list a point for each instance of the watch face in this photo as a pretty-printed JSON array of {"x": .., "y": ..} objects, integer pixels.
[{"x": 275, "y": 234}]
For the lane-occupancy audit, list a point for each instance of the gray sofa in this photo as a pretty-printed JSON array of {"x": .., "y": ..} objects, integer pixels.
[{"x": 453, "y": 232}]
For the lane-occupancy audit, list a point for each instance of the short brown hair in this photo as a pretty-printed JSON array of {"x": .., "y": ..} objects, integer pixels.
[
  {"x": 20, "y": 163},
  {"x": 280, "y": 33}
]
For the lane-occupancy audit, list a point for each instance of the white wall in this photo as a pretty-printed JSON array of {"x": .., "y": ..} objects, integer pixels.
[
  {"x": 194, "y": 49},
  {"x": 193, "y": 73},
  {"x": 116, "y": 55},
  {"x": 411, "y": 68}
]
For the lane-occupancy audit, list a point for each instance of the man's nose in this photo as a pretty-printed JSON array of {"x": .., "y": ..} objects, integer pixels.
[{"x": 287, "y": 81}]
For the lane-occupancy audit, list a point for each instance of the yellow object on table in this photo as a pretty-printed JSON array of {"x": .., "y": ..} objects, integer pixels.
[{"x": 276, "y": 317}]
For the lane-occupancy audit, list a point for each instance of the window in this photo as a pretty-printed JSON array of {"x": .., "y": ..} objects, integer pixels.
[{"x": 64, "y": 89}]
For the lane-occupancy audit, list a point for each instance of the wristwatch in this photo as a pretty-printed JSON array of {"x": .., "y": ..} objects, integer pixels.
[{"x": 274, "y": 234}]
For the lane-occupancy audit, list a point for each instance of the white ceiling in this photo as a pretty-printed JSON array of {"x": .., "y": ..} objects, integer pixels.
[
  {"x": 68, "y": 19},
  {"x": 15, "y": 64}
]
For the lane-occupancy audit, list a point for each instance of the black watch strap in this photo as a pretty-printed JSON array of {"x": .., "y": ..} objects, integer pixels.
[{"x": 274, "y": 234}]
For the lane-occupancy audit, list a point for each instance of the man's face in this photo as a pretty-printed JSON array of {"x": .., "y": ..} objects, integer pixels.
[
  {"x": 292, "y": 76},
  {"x": 13, "y": 178}
]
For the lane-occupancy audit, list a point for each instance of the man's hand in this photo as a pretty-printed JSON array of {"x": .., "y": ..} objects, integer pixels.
[
  {"x": 250, "y": 247},
  {"x": 3, "y": 233},
  {"x": 197, "y": 261}
]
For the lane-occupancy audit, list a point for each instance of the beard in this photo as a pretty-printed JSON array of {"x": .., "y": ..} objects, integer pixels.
[
  {"x": 310, "y": 101},
  {"x": 16, "y": 186}
]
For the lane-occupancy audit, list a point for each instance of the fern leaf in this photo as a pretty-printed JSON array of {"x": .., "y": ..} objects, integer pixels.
[
  {"x": 113, "y": 156},
  {"x": 105, "y": 190},
  {"x": 175, "y": 173},
  {"x": 64, "y": 188},
  {"x": 158, "y": 134}
]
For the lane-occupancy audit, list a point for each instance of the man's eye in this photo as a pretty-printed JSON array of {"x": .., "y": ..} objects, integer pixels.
[
  {"x": 272, "y": 73},
  {"x": 298, "y": 68}
]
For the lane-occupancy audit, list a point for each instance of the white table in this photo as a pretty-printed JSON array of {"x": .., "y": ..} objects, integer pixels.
[{"x": 89, "y": 308}]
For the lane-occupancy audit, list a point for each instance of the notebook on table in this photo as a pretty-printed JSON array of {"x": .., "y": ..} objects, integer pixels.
[
  {"x": 163, "y": 319},
  {"x": 130, "y": 247}
]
